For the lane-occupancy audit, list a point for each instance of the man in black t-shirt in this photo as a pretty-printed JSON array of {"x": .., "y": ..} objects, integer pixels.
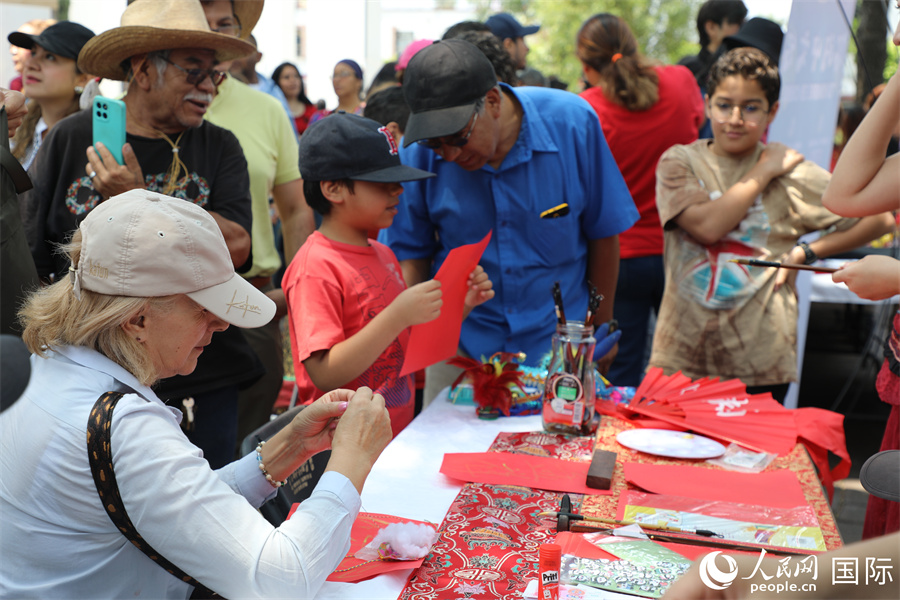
[{"x": 165, "y": 52}]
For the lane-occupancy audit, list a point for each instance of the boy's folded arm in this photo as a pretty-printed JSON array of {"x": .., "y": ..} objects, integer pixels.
[{"x": 710, "y": 221}]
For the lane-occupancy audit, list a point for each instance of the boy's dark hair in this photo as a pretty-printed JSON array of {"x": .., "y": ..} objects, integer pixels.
[
  {"x": 491, "y": 46},
  {"x": 454, "y": 31},
  {"x": 388, "y": 105},
  {"x": 751, "y": 64},
  {"x": 385, "y": 76},
  {"x": 719, "y": 11},
  {"x": 312, "y": 190}
]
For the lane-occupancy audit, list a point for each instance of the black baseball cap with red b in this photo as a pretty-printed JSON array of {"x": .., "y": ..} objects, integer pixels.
[
  {"x": 345, "y": 146},
  {"x": 441, "y": 85}
]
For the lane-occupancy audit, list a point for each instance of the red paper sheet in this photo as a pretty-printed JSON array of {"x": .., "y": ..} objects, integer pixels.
[
  {"x": 504, "y": 468},
  {"x": 437, "y": 340},
  {"x": 776, "y": 488},
  {"x": 364, "y": 530}
]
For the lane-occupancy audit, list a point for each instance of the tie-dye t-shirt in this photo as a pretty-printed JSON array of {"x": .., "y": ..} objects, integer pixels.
[{"x": 719, "y": 318}]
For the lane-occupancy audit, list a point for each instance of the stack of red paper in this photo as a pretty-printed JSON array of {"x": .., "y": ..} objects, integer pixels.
[
  {"x": 725, "y": 411},
  {"x": 719, "y": 409}
]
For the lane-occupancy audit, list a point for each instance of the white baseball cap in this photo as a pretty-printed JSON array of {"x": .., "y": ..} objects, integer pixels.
[{"x": 144, "y": 244}]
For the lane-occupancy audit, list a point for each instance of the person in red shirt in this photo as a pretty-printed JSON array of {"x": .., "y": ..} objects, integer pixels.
[
  {"x": 288, "y": 78},
  {"x": 644, "y": 110}
]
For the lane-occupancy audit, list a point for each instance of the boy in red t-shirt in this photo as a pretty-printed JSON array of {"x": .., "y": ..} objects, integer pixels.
[{"x": 348, "y": 306}]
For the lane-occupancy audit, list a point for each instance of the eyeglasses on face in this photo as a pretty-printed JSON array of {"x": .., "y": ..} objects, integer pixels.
[
  {"x": 750, "y": 114},
  {"x": 232, "y": 29},
  {"x": 343, "y": 75},
  {"x": 457, "y": 140},
  {"x": 198, "y": 76}
]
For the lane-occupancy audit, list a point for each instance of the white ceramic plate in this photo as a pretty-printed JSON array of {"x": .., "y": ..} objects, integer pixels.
[{"x": 674, "y": 444}]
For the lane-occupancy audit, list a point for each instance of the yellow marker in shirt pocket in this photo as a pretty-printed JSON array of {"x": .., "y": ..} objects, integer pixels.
[{"x": 560, "y": 210}]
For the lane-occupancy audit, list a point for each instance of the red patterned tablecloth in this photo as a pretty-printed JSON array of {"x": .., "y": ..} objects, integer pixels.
[
  {"x": 797, "y": 461},
  {"x": 488, "y": 543}
]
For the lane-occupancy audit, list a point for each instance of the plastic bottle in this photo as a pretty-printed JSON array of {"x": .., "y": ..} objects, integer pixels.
[{"x": 549, "y": 561}]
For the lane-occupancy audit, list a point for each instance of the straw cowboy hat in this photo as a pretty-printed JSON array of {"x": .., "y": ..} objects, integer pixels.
[
  {"x": 151, "y": 25},
  {"x": 247, "y": 13}
]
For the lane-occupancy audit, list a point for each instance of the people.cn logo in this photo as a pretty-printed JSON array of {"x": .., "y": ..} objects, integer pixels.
[{"x": 710, "y": 574}]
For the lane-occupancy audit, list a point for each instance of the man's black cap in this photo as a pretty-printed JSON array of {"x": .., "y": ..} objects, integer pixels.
[
  {"x": 63, "y": 39},
  {"x": 759, "y": 33},
  {"x": 504, "y": 25},
  {"x": 441, "y": 85},
  {"x": 345, "y": 146}
]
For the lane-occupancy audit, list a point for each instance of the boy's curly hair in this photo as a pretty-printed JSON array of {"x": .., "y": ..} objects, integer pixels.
[{"x": 748, "y": 63}]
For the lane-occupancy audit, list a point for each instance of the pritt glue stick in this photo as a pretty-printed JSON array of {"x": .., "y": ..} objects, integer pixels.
[{"x": 549, "y": 558}]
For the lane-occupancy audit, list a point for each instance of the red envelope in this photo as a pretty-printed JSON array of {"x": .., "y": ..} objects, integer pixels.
[
  {"x": 364, "y": 529},
  {"x": 505, "y": 468},
  {"x": 438, "y": 340},
  {"x": 776, "y": 488}
]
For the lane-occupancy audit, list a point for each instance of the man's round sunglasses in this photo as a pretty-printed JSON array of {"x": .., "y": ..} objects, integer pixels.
[{"x": 198, "y": 76}]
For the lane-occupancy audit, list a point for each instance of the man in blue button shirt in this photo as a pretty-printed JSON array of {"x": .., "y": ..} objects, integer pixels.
[{"x": 532, "y": 165}]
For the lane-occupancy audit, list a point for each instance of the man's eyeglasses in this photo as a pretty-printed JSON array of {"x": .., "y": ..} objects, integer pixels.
[
  {"x": 198, "y": 76},
  {"x": 750, "y": 114},
  {"x": 233, "y": 29},
  {"x": 457, "y": 140}
]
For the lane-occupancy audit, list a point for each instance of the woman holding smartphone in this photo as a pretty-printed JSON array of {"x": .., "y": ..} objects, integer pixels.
[{"x": 51, "y": 80}]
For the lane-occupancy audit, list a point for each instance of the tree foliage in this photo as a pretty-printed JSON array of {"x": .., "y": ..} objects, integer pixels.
[{"x": 665, "y": 30}]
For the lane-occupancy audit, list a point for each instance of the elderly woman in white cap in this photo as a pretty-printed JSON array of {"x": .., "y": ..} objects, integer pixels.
[{"x": 98, "y": 481}]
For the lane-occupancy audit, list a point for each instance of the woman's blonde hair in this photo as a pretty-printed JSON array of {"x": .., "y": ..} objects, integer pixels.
[
  {"x": 53, "y": 316},
  {"x": 606, "y": 44}
]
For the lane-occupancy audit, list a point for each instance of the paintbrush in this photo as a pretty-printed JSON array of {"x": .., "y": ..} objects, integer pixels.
[
  {"x": 577, "y": 517},
  {"x": 558, "y": 303},
  {"x": 594, "y": 300},
  {"x": 771, "y": 263},
  {"x": 697, "y": 541}
]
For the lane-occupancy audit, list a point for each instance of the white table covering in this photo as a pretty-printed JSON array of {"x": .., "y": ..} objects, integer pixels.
[{"x": 406, "y": 480}]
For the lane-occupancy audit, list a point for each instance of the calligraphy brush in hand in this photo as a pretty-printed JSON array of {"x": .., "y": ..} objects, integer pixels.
[{"x": 779, "y": 265}]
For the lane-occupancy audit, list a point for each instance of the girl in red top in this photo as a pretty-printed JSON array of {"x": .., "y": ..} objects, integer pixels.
[
  {"x": 288, "y": 78},
  {"x": 643, "y": 110}
]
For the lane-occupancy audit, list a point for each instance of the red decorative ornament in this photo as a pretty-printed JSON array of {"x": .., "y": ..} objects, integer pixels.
[{"x": 492, "y": 379}]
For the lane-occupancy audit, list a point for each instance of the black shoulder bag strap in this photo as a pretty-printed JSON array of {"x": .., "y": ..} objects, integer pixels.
[{"x": 100, "y": 457}]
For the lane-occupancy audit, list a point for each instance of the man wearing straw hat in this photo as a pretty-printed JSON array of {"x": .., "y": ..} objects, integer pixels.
[
  {"x": 270, "y": 147},
  {"x": 165, "y": 52}
]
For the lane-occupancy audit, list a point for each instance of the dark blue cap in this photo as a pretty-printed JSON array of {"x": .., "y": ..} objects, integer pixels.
[
  {"x": 504, "y": 25},
  {"x": 345, "y": 146}
]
